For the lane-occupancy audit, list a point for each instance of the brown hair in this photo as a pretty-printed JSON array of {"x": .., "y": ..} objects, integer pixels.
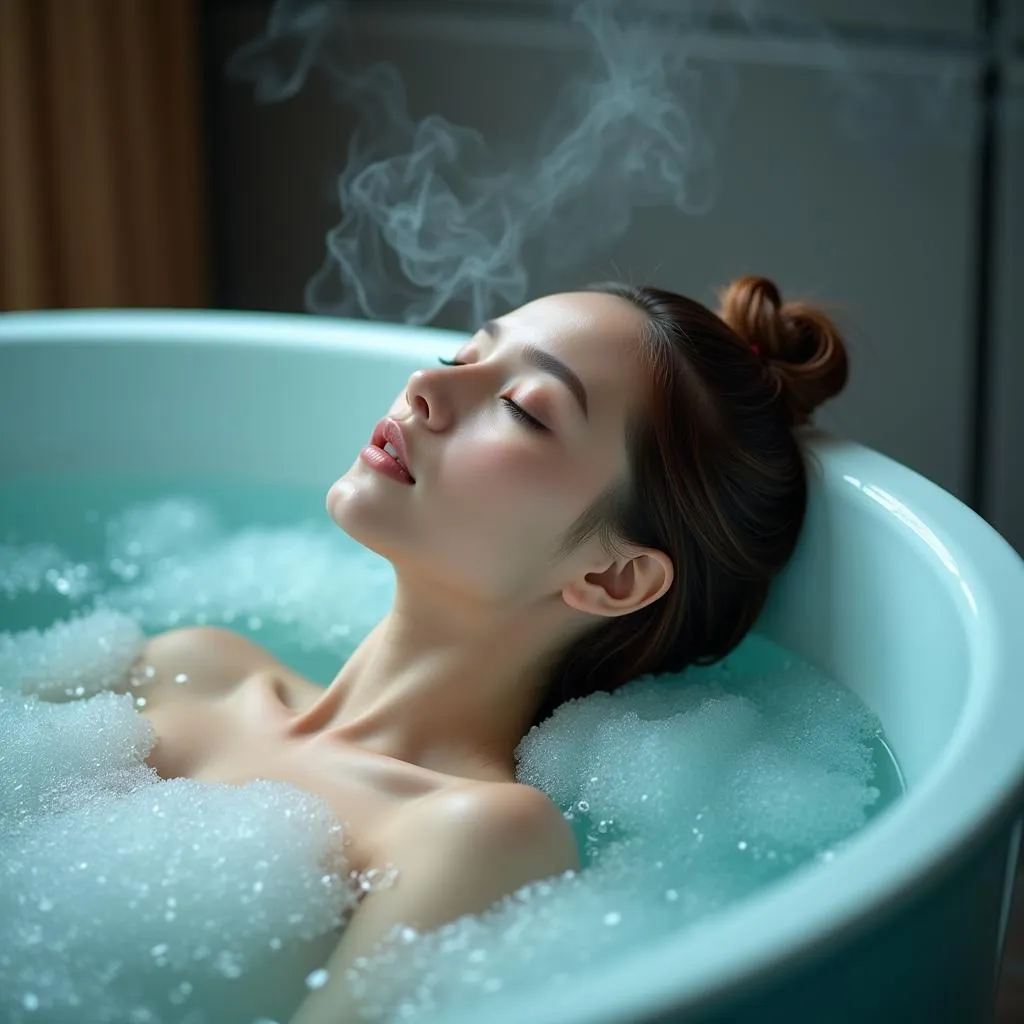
[{"x": 718, "y": 480}]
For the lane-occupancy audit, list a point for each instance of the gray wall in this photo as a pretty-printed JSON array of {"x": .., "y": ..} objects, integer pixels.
[
  {"x": 848, "y": 171},
  {"x": 1004, "y": 497},
  {"x": 924, "y": 16},
  {"x": 1003, "y": 501},
  {"x": 1015, "y": 19}
]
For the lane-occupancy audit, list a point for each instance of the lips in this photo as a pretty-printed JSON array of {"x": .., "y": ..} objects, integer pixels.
[{"x": 389, "y": 432}]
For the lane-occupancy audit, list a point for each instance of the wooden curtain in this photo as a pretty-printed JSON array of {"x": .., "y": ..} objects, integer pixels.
[{"x": 101, "y": 180}]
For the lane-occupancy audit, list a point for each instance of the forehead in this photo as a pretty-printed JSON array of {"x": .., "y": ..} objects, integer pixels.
[{"x": 598, "y": 335}]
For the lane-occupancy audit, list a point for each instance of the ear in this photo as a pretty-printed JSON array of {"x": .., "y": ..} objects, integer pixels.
[{"x": 627, "y": 585}]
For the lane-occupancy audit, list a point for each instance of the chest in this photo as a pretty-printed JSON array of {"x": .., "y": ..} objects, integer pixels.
[{"x": 239, "y": 734}]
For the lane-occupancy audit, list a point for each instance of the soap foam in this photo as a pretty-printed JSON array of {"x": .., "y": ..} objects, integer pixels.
[
  {"x": 35, "y": 568},
  {"x": 178, "y": 566},
  {"x": 131, "y": 898},
  {"x": 685, "y": 795},
  {"x": 74, "y": 658},
  {"x": 124, "y": 897}
]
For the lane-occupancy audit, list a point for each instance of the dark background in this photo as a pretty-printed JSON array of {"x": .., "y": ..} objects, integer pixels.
[{"x": 873, "y": 158}]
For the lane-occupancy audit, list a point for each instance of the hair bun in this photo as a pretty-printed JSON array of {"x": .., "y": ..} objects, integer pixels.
[{"x": 801, "y": 344}]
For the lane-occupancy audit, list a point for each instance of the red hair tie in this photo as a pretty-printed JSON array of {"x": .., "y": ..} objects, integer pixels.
[{"x": 756, "y": 349}]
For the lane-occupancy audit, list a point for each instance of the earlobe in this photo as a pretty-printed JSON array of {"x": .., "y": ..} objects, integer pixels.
[{"x": 627, "y": 585}]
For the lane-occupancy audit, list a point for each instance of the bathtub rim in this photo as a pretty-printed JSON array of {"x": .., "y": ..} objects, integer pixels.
[{"x": 646, "y": 980}]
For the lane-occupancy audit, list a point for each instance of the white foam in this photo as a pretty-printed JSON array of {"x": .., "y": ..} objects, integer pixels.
[
  {"x": 55, "y": 757},
  {"x": 123, "y": 897},
  {"x": 144, "y": 533},
  {"x": 74, "y": 658},
  {"x": 684, "y": 796},
  {"x": 35, "y": 568},
  {"x": 303, "y": 582}
]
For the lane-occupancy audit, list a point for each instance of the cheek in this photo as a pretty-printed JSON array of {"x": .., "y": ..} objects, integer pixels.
[
  {"x": 503, "y": 512},
  {"x": 512, "y": 504},
  {"x": 510, "y": 473}
]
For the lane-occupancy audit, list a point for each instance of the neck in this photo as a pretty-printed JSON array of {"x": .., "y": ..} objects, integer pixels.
[{"x": 447, "y": 686}]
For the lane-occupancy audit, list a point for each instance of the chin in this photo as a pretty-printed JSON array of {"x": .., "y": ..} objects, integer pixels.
[
  {"x": 339, "y": 501},
  {"x": 357, "y": 513}
]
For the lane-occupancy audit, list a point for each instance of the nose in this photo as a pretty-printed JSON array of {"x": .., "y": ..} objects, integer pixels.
[
  {"x": 427, "y": 400},
  {"x": 415, "y": 394}
]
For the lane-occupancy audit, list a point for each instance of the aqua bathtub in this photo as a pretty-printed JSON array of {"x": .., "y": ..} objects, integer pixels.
[{"x": 897, "y": 590}]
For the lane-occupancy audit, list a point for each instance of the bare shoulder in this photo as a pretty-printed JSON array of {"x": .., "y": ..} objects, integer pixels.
[
  {"x": 457, "y": 852},
  {"x": 507, "y": 833},
  {"x": 208, "y": 656},
  {"x": 503, "y": 809}
]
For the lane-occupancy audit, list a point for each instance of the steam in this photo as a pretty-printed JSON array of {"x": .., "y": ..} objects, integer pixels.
[{"x": 429, "y": 217}]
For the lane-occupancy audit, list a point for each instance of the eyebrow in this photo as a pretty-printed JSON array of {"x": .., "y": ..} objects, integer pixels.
[{"x": 548, "y": 363}]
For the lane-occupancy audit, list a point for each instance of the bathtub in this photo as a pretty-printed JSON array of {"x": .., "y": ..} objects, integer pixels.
[{"x": 897, "y": 590}]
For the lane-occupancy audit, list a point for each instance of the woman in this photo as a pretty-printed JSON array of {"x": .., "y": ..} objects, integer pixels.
[{"x": 601, "y": 485}]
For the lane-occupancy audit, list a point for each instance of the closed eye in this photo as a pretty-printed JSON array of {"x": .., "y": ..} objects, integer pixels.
[{"x": 517, "y": 411}]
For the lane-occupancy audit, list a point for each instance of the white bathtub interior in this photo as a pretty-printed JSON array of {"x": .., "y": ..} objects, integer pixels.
[{"x": 882, "y": 595}]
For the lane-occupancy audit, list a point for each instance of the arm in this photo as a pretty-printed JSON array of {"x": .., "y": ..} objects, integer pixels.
[{"x": 457, "y": 854}]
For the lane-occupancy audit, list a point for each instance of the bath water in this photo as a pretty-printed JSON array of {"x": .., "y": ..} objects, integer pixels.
[{"x": 124, "y": 897}]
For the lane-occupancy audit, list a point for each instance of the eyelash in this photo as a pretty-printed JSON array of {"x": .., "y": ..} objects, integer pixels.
[{"x": 517, "y": 411}]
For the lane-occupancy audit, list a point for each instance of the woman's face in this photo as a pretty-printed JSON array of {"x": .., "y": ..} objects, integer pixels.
[{"x": 494, "y": 493}]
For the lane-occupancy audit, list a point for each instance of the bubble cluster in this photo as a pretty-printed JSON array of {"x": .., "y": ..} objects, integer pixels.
[
  {"x": 73, "y": 658},
  {"x": 35, "y": 568},
  {"x": 124, "y": 897},
  {"x": 128, "y": 898},
  {"x": 299, "y": 584},
  {"x": 685, "y": 796}
]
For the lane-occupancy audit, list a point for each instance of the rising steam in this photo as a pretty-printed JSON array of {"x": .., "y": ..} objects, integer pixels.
[{"x": 429, "y": 217}]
